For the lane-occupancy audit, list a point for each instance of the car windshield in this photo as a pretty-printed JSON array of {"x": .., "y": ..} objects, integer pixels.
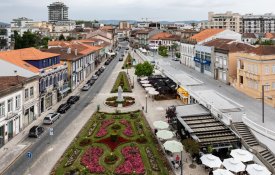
[{"x": 47, "y": 118}]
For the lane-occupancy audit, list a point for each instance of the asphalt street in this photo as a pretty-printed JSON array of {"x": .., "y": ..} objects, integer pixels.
[{"x": 41, "y": 144}]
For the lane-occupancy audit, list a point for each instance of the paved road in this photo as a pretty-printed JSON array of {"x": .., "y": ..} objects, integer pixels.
[{"x": 41, "y": 145}]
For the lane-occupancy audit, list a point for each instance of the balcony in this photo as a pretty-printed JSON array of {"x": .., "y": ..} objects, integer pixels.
[
  {"x": 11, "y": 114},
  {"x": 241, "y": 72}
]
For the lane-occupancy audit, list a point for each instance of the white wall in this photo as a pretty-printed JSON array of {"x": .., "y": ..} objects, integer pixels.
[{"x": 7, "y": 69}]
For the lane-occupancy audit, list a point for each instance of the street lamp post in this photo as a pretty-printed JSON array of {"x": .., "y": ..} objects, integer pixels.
[
  {"x": 181, "y": 164},
  {"x": 263, "y": 86},
  {"x": 146, "y": 103}
]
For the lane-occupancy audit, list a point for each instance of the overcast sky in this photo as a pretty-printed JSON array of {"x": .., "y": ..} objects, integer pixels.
[{"x": 133, "y": 9}]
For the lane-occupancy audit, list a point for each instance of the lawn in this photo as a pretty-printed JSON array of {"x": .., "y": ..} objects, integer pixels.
[
  {"x": 128, "y": 62},
  {"x": 122, "y": 80},
  {"x": 114, "y": 144}
]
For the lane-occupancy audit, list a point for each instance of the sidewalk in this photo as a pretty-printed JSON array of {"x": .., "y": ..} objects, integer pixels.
[{"x": 17, "y": 146}]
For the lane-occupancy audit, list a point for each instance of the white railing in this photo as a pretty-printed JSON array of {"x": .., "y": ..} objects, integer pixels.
[{"x": 258, "y": 128}]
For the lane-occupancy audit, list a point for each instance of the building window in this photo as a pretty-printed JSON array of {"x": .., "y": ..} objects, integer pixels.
[
  {"x": 267, "y": 87},
  {"x": 31, "y": 92},
  {"x": 2, "y": 108},
  {"x": 26, "y": 93},
  {"x": 17, "y": 101},
  {"x": 266, "y": 69},
  {"x": 273, "y": 69},
  {"x": 273, "y": 85},
  {"x": 10, "y": 106}
]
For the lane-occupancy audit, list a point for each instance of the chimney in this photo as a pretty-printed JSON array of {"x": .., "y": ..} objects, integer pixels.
[
  {"x": 75, "y": 52},
  {"x": 69, "y": 50}
]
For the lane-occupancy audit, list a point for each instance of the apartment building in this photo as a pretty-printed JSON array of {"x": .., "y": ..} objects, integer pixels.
[
  {"x": 80, "y": 58},
  {"x": 228, "y": 20},
  {"x": 57, "y": 11},
  {"x": 259, "y": 23},
  {"x": 124, "y": 25},
  {"x": 224, "y": 60},
  {"x": 162, "y": 39},
  {"x": 187, "y": 46},
  {"x": 255, "y": 69},
  {"x": 53, "y": 75}
]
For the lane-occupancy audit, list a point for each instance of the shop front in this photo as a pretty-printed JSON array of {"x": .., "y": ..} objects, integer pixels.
[
  {"x": 29, "y": 116},
  {"x": 183, "y": 95},
  {"x": 2, "y": 135}
]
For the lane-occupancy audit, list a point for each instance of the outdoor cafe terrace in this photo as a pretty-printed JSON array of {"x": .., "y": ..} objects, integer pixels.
[{"x": 207, "y": 130}]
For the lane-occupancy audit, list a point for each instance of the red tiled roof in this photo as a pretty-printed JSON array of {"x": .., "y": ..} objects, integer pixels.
[
  {"x": 264, "y": 50},
  {"x": 82, "y": 49},
  {"x": 270, "y": 35},
  {"x": 20, "y": 56},
  {"x": 249, "y": 35},
  {"x": 207, "y": 33},
  {"x": 10, "y": 81},
  {"x": 229, "y": 45},
  {"x": 164, "y": 36}
]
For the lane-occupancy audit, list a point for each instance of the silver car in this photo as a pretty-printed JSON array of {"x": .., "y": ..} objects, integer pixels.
[{"x": 51, "y": 118}]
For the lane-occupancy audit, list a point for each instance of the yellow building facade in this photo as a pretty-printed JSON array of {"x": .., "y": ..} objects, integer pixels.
[{"x": 254, "y": 70}]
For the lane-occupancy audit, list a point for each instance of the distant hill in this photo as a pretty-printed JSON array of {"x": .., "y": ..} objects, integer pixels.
[
  {"x": 2, "y": 24},
  {"x": 116, "y": 22}
]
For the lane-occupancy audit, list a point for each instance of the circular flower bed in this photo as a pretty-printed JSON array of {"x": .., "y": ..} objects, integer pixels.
[
  {"x": 128, "y": 101},
  {"x": 111, "y": 159}
]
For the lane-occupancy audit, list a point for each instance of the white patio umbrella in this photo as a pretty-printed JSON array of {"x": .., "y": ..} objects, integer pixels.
[
  {"x": 153, "y": 92},
  {"x": 143, "y": 78},
  {"x": 233, "y": 165},
  {"x": 255, "y": 169},
  {"x": 173, "y": 146},
  {"x": 161, "y": 125},
  {"x": 144, "y": 82},
  {"x": 146, "y": 85},
  {"x": 211, "y": 161},
  {"x": 150, "y": 89},
  {"x": 164, "y": 134},
  {"x": 222, "y": 172},
  {"x": 242, "y": 155}
]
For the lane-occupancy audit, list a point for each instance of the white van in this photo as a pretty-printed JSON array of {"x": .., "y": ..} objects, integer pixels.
[{"x": 51, "y": 118}]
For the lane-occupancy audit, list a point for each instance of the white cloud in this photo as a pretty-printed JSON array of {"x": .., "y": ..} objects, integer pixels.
[{"x": 133, "y": 9}]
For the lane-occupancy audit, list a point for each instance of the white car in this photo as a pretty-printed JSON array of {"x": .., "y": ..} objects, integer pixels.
[
  {"x": 86, "y": 87},
  {"x": 51, "y": 118}
]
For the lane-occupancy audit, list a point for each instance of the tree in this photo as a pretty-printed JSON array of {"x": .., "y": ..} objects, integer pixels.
[
  {"x": 171, "y": 114},
  {"x": 17, "y": 41},
  {"x": 192, "y": 147},
  {"x": 61, "y": 38},
  {"x": 144, "y": 69},
  {"x": 174, "y": 47},
  {"x": 163, "y": 51},
  {"x": 3, "y": 43}
]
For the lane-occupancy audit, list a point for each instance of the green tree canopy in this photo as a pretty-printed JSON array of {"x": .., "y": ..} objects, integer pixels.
[
  {"x": 144, "y": 69},
  {"x": 30, "y": 39},
  {"x": 163, "y": 51}
]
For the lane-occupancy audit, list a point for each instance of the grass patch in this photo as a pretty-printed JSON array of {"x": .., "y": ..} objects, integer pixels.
[
  {"x": 122, "y": 80},
  {"x": 111, "y": 158},
  {"x": 128, "y": 62}
]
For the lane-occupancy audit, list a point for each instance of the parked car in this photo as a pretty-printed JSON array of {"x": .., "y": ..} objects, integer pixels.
[
  {"x": 51, "y": 118},
  {"x": 36, "y": 131},
  {"x": 120, "y": 59},
  {"x": 97, "y": 73},
  {"x": 107, "y": 62},
  {"x": 86, "y": 87},
  {"x": 102, "y": 69},
  {"x": 91, "y": 82},
  {"x": 73, "y": 99},
  {"x": 94, "y": 77},
  {"x": 63, "y": 108}
]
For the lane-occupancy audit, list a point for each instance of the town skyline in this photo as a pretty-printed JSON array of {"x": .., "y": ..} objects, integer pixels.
[{"x": 133, "y": 10}]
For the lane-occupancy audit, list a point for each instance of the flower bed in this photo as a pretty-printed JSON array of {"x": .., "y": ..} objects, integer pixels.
[
  {"x": 128, "y": 101},
  {"x": 103, "y": 128},
  {"x": 72, "y": 157},
  {"x": 152, "y": 159},
  {"x": 113, "y": 145},
  {"x": 122, "y": 80},
  {"x": 133, "y": 161},
  {"x": 91, "y": 160},
  {"x": 128, "y": 130}
]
